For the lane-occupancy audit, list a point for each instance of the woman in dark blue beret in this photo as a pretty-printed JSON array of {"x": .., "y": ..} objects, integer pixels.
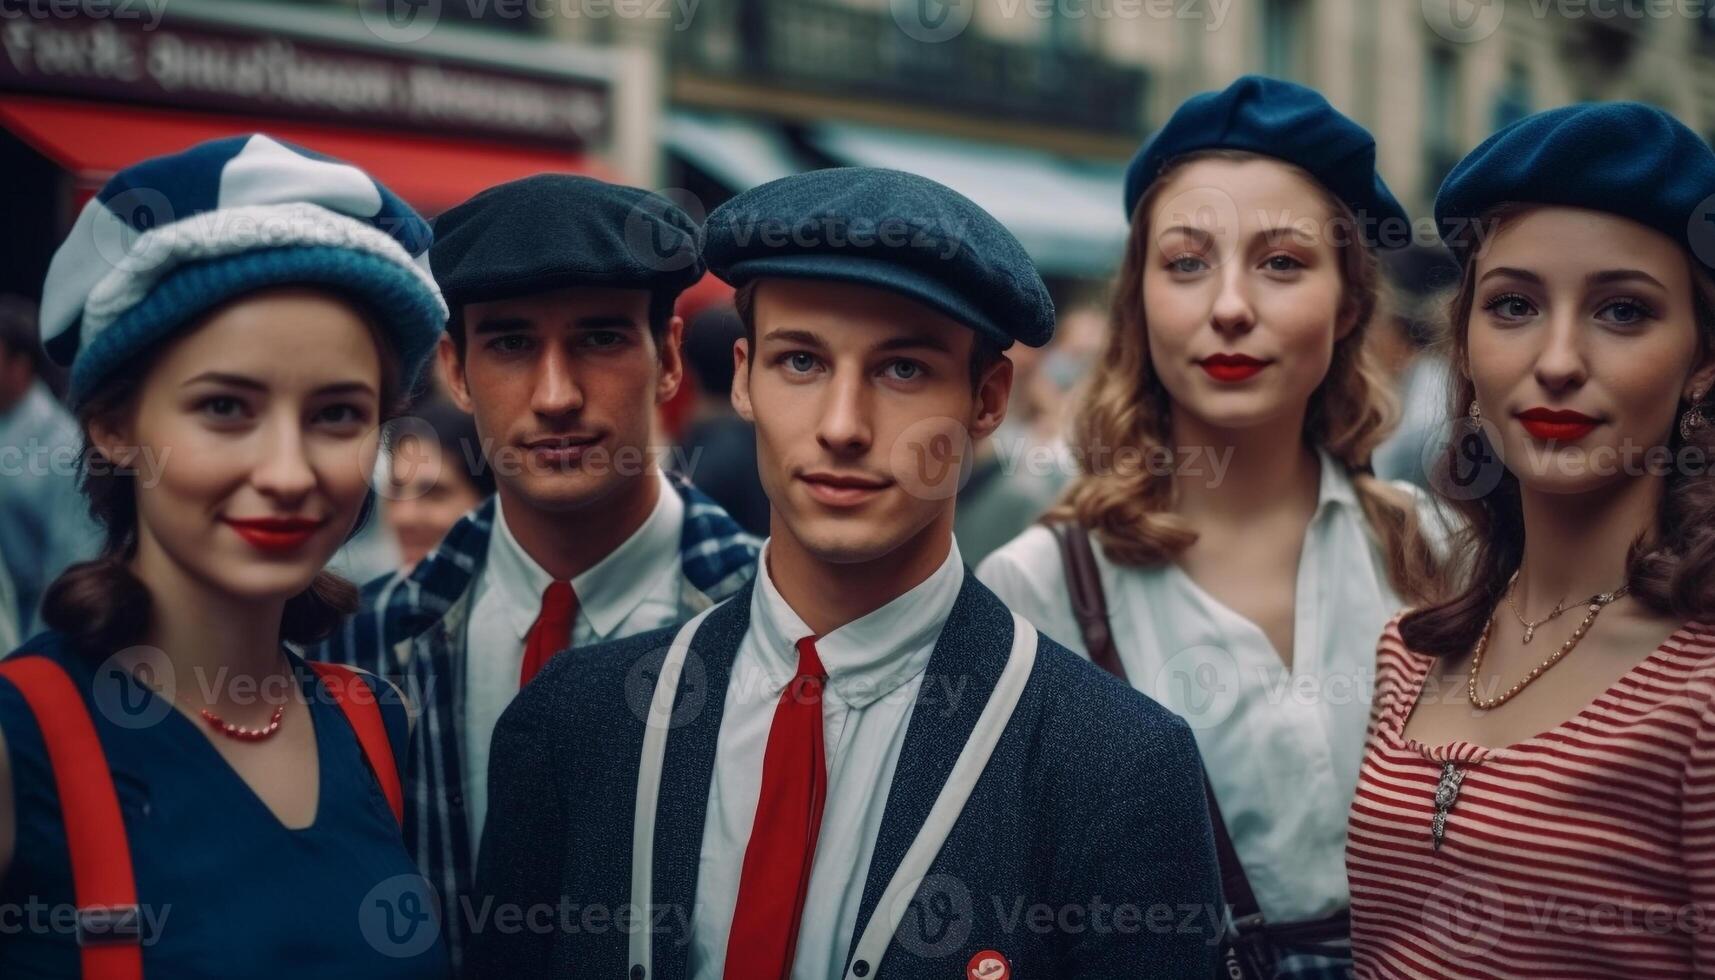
[
  {"x": 1538, "y": 792},
  {"x": 1248, "y": 558},
  {"x": 181, "y": 794}
]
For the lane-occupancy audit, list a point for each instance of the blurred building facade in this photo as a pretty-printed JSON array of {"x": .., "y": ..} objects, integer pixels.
[{"x": 1031, "y": 107}]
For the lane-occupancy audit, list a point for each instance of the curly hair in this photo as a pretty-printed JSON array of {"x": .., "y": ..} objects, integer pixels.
[
  {"x": 1129, "y": 508},
  {"x": 1674, "y": 574}
]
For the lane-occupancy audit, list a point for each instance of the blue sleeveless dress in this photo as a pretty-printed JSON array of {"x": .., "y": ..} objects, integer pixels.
[{"x": 227, "y": 891}]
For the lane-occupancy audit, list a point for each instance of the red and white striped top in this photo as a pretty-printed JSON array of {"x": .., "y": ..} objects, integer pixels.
[{"x": 1586, "y": 851}]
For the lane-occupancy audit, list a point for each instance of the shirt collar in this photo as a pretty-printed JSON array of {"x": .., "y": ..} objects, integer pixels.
[
  {"x": 608, "y": 590},
  {"x": 869, "y": 657},
  {"x": 1335, "y": 487}
]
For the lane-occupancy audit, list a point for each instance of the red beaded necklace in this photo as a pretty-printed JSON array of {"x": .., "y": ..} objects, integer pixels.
[{"x": 244, "y": 733}]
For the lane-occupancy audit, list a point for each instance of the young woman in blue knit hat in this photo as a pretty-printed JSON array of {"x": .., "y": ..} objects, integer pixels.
[
  {"x": 1224, "y": 515},
  {"x": 1537, "y": 797},
  {"x": 180, "y": 794}
]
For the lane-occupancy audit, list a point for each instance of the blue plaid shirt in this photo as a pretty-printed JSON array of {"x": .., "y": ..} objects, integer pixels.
[{"x": 410, "y": 629}]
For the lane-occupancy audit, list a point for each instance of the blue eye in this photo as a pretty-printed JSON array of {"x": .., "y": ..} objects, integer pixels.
[
  {"x": 905, "y": 370},
  {"x": 1282, "y": 263},
  {"x": 1186, "y": 264},
  {"x": 799, "y": 362}
]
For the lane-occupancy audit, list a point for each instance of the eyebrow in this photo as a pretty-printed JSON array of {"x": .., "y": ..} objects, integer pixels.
[
  {"x": 807, "y": 339},
  {"x": 1593, "y": 279},
  {"x": 1271, "y": 233},
  {"x": 251, "y": 384},
  {"x": 595, "y": 321}
]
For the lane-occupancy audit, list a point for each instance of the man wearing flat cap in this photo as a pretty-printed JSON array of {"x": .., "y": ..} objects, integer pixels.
[
  {"x": 561, "y": 343},
  {"x": 862, "y": 764}
]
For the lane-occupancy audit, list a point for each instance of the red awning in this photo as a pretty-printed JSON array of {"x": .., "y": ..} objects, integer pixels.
[{"x": 432, "y": 172}]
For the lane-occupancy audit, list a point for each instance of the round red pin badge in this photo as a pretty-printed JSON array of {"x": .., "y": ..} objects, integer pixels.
[{"x": 988, "y": 965}]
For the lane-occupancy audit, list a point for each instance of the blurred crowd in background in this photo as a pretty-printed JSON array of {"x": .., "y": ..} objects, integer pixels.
[{"x": 1029, "y": 108}]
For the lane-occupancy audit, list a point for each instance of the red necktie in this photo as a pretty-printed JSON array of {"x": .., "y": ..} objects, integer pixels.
[
  {"x": 782, "y": 843},
  {"x": 552, "y": 631}
]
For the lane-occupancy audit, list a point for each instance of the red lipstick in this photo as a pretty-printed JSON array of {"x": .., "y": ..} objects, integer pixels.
[
  {"x": 275, "y": 535},
  {"x": 1231, "y": 367},
  {"x": 1562, "y": 425}
]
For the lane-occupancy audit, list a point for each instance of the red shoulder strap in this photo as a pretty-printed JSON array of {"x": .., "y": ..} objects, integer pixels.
[
  {"x": 364, "y": 715},
  {"x": 108, "y": 922}
]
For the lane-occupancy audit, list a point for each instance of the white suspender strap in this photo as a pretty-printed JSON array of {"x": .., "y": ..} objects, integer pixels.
[
  {"x": 890, "y": 909},
  {"x": 973, "y": 759},
  {"x": 656, "y": 728}
]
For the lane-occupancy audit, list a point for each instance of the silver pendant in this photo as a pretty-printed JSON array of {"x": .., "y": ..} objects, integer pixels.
[{"x": 1446, "y": 794}]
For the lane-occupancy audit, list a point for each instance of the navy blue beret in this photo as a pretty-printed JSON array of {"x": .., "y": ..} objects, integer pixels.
[
  {"x": 553, "y": 231},
  {"x": 888, "y": 229},
  {"x": 1624, "y": 158},
  {"x": 1287, "y": 121}
]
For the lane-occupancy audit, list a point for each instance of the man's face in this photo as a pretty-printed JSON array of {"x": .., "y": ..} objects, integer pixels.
[
  {"x": 563, "y": 386},
  {"x": 864, "y": 413}
]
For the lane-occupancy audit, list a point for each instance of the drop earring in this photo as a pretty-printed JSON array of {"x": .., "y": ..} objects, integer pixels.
[
  {"x": 1474, "y": 415},
  {"x": 1691, "y": 421}
]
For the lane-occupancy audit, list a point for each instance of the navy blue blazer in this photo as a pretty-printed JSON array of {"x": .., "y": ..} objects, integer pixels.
[{"x": 1084, "y": 849}]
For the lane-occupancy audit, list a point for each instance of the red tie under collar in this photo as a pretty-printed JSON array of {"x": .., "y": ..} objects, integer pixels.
[
  {"x": 552, "y": 631},
  {"x": 782, "y": 845}
]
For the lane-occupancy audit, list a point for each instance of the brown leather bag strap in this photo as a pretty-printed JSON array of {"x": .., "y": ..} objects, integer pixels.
[
  {"x": 1090, "y": 608},
  {"x": 1089, "y": 602}
]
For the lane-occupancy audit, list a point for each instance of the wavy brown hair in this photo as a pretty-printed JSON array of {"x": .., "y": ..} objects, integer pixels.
[
  {"x": 102, "y": 606},
  {"x": 1129, "y": 508},
  {"x": 1672, "y": 574}
]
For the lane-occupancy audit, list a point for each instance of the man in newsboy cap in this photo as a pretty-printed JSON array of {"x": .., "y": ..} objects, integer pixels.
[
  {"x": 862, "y": 764},
  {"x": 561, "y": 343}
]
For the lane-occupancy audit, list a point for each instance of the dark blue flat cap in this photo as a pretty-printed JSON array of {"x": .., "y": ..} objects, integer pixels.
[
  {"x": 553, "y": 231},
  {"x": 1624, "y": 158},
  {"x": 1289, "y": 122},
  {"x": 888, "y": 229}
]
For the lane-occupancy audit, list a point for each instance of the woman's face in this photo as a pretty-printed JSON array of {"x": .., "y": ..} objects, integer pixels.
[
  {"x": 1582, "y": 342},
  {"x": 253, "y": 440},
  {"x": 1242, "y": 291},
  {"x": 428, "y": 495}
]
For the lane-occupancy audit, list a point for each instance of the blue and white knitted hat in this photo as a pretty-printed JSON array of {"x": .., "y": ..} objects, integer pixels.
[{"x": 174, "y": 236}]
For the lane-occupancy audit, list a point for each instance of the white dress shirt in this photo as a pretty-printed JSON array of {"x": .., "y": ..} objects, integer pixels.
[
  {"x": 1281, "y": 746},
  {"x": 634, "y": 589},
  {"x": 875, "y": 667}
]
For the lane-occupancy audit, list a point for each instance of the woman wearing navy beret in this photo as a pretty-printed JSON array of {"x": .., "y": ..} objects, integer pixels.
[
  {"x": 1537, "y": 796},
  {"x": 1245, "y": 557},
  {"x": 181, "y": 795}
]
